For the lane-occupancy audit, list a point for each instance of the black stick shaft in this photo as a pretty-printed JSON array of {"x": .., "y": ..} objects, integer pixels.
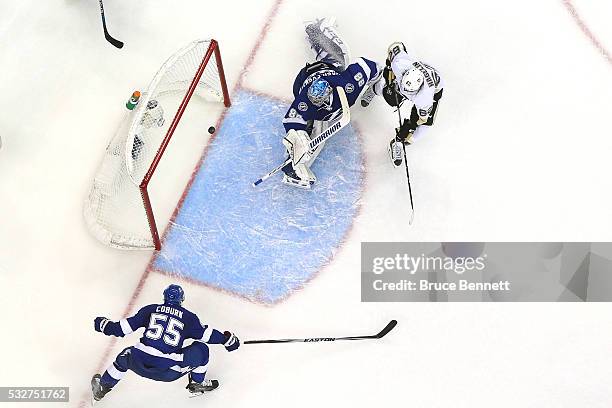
[
  {"x": 408, "y": 177},
  {"x": 379, "y": 335},
  {"x": 399, "y": 115},
  {"x": 108, "y": 37}
]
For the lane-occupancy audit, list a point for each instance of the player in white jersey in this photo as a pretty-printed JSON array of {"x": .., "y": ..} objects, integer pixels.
[{"x": 414, "y": 87}]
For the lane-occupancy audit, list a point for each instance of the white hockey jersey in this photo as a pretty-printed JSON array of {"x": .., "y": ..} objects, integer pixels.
[{"x": 423, "y": 99}]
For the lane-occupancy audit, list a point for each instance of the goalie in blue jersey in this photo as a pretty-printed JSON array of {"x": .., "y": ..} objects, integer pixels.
[
  {"x": 317, "y": 101},
  {"x": 161, "y": 354}
]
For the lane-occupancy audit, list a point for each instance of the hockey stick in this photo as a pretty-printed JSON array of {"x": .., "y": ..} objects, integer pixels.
[
  {"x": 329, "y": 132},
  {"x": 405, "y": 161},
  {"x": 108, "y": 37},
  {"x": 409, "y": 187},
  {"x": 379, "y": 335},
  {"x": 271, "y": 173}
]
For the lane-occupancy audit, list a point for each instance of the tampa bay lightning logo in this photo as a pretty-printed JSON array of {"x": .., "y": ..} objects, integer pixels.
[
  {"x": 349, "y": 88},
  {"x": 302, "y": 106}
]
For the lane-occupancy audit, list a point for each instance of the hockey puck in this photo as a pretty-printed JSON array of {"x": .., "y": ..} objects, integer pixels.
[{"x": 211, "y": 130}]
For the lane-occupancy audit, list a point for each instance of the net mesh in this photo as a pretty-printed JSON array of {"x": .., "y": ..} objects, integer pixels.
[{"x": 114, "y": 209}]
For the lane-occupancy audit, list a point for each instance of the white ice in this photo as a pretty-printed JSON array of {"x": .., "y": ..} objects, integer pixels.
[{"x": 520, "y": 151}]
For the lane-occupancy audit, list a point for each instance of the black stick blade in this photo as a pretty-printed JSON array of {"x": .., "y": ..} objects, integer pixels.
[
  {"x": 390, "y": 326},
  {"x": 108, "y": 37},
  {"x": 113, "y": 41}
]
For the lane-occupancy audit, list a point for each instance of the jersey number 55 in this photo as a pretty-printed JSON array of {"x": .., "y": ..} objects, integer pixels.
[{"x": 171, "y": 332}]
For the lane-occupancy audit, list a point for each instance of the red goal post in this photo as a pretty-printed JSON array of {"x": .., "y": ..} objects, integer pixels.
[{"x": 118, "y": 210}]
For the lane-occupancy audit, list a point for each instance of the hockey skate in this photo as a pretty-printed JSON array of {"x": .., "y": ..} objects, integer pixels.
[
  {"x": 197, "y": 388},
  {"x": 367, "y": 96},
  {"x": 291, "y": 178},
  {"x": 98, "y": 390},
  {"x": 373, "y": 88},
  {"x": 395, "y": 152}
]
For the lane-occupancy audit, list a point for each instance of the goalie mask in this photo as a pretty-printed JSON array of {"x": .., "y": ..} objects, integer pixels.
[
  {"x": 320, "y": 93},
  {"x": 412, "y": 81}
]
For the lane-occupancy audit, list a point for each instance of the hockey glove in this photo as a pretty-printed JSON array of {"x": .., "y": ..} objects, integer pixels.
[
  {"x": 438, "y": 95},
  {"x": 100, "y": 323},
  {"x": 405, "y": 132},
  {"x": 389, "y": 76},
  {"x": 231, "y": 341},
  {"x": 406, "y": 139}
]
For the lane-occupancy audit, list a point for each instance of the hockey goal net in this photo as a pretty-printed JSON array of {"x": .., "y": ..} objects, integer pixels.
[{"x": 119, "y": 210}]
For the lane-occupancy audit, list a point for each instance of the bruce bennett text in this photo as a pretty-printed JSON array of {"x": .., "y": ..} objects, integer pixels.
[{"x": 425, "y": 285}]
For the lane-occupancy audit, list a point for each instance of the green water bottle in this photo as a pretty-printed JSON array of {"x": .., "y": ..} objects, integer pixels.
[{"x": 133, "y": 101}]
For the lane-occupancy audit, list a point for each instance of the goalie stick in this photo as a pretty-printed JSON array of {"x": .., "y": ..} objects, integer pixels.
[
  {"x": 108, "y": 37},
  {"x": 379, "y": 335},
  {"x": 329, "y": 132}
]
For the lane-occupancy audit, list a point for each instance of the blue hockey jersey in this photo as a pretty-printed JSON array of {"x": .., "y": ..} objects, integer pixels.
[
  {"x": 302, "y": 113},
  {"x": 166, "y": 328}
]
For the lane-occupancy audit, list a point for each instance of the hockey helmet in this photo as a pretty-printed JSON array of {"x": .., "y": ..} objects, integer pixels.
[
  {"x": 412, "y": 81},
  {"x": 319, "y": 92},
  {"x": 174, "y": 295}
]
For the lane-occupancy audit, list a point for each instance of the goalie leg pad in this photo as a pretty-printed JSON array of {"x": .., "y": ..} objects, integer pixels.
[
  {"x": 297, "y": 144},
  {"x": 326, "y": 43},
  {"x": 304, "y": 173}
]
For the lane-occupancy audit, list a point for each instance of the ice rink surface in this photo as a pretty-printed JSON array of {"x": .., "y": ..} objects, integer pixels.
[{"x": 520, "y": 151}]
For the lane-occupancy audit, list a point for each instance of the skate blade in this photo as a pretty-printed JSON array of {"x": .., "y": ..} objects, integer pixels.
[
  {"x": 294, "y": 183},
  {"x": 199, "y": 394}
]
